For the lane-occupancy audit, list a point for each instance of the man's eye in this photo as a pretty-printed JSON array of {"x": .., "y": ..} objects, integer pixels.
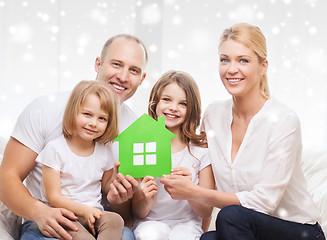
[{"x": 134, "y": 71}]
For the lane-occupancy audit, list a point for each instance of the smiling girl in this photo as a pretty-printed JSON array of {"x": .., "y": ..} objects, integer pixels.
[
  {"x": 76, "y": 166},
  {"x": 176, "y": 97}
]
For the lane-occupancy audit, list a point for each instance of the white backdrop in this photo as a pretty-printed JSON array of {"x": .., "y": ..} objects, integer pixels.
[{"x": 49, "y": 45}]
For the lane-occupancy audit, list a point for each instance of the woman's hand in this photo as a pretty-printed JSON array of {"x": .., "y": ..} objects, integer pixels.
[
  {"x": 179, "y": 184},
  {"x": 182, "y": 171}
]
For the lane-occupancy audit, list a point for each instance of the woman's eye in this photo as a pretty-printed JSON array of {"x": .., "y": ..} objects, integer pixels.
[
  {"x": 223, "y": 60},
  {"x": 184, "y": 104},
  {"x": 244, "y": 61},
  {"x": 86, "y": 114},
  {"x": 166, "y": 99}
]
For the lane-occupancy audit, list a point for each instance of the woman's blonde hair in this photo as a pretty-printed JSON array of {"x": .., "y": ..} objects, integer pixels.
[
  {"x": 251, "y": 37},
  {"x": 109, "y": 103},
  {"x": 193, "y": 100}
]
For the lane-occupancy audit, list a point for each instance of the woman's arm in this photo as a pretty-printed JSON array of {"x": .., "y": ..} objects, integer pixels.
[
  {"x": 206, "y": 180},
  {"x": 182, "y": 188},
  {"x": 144, "y": 197}
]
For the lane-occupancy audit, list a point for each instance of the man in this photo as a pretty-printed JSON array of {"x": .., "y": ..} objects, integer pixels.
[{"x": 121, "y": 65}]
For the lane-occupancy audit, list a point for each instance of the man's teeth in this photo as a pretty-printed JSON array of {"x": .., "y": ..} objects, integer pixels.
[{"x": 118, "y": 87}]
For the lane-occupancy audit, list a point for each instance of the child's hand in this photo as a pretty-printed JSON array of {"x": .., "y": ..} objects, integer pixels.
[
  {"x": 90, "y": 214},
  {"x": 149, "y": 188},
  {"x": 182, "y": 171}
]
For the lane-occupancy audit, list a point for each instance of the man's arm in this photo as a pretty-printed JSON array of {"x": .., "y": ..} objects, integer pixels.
[
  {"x": 120, "y": 190},
  {"x": 18, "y": 161}
]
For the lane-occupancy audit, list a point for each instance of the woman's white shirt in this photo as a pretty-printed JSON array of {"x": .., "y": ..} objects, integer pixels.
[{"x": 266, "y": 174}]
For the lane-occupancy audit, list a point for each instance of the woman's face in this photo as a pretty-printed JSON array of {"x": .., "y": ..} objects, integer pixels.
[{"x": 239, "y": 69}]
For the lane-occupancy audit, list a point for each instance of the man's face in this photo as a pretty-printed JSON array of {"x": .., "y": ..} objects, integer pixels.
[{"x": 122, "y": 67}]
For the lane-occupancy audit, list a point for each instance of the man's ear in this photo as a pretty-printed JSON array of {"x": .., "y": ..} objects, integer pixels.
[
  {"x": 97, "y": 64},
  {"x": 143, "y": 77}
]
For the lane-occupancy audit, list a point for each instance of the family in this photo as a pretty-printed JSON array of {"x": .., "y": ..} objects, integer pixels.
[{"x": 61, "y": 174}]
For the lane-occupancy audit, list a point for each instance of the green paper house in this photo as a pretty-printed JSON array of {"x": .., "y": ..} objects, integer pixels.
[{"x": 145, "y": 148}]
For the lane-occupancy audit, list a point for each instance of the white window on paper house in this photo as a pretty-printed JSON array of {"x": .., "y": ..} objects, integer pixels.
[{"x": 145, "y": 153}]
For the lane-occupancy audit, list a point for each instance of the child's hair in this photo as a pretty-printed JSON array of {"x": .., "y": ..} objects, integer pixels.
[
  {"x": 193, "y": 100},
  {"x": 109, "y": 103}
]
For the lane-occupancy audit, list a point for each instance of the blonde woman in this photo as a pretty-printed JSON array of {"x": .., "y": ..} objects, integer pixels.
[{"x": 255, "y": 146}]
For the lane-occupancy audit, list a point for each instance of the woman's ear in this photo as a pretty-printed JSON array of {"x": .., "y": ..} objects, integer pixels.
[{"x": 264, "y": 67}]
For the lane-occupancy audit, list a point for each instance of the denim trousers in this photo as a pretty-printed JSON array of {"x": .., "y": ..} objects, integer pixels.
[
  {"x": 239, "y": 223},
  {"x": 30, "y": 231}
]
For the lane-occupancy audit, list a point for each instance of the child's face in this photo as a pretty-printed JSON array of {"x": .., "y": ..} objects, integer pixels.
[
  {"x": 172, "y": 105},
  {"x": 91, "y": 121}
]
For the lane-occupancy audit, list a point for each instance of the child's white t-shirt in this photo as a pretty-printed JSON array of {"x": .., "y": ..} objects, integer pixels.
[
  {"x": 80, "y": 177},
  {"x": 171, "y": 211},
  {"x": 41, "y": 122}
]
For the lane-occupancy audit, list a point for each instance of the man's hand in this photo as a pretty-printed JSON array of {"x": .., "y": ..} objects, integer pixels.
[
  {"x": 52, "y": 220},
  {"x": 122, "y": 188}
]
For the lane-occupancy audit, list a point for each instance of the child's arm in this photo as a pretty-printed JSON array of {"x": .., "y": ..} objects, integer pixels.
[
  {"x": 51, "y": 179},
  {"x": 144, "y": 197},
  {"x": 206, "y": 180}
]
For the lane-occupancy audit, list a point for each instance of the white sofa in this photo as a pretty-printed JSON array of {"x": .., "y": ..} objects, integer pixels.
[{"x": 314, "y": 167}]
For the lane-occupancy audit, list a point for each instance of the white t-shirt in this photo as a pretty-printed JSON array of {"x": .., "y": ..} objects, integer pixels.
[
  {"x": 80, "y": 177},
  {"x": 171, "y": 211},
  {"x": 41, "y": 122},
  {"x": 266, "y": 173}
]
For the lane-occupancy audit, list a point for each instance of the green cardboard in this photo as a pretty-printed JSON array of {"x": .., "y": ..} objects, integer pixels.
[{"x": 145, "y": 148}]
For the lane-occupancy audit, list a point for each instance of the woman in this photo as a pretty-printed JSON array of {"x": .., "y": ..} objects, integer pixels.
[{"x": 255, "y": 147}]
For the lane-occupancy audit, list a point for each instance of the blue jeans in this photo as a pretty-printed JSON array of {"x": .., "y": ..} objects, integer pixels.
[
  {"x": 30, "y": 231},
  {"x": 237, "y": 222}
]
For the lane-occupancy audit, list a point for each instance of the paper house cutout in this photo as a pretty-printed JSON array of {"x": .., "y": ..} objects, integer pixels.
[{"x": 145, "y": 148}]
